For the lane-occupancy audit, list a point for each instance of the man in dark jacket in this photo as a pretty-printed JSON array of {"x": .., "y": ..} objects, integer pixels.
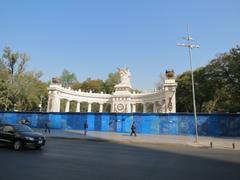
[
  {"x": 85, "y": 126},
  {"x": 47, "y": 126},
  {"x": 133, "y": 129}
]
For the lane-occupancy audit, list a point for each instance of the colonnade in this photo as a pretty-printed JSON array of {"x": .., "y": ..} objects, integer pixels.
[
  {"x": 101, "y": 105},
  {"x": 78, "y": 106},
  {"x": 121, "y": 101}
]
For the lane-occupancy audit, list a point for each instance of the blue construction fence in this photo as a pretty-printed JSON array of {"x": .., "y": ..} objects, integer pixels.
[{"x": 148, "y": 123}]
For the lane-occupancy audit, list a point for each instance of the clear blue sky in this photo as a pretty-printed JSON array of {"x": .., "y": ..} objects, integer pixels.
[{"x": 94, "y": 37}]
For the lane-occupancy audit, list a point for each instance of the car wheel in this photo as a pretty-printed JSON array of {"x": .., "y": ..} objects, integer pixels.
[{"x": 17, "y": 145}]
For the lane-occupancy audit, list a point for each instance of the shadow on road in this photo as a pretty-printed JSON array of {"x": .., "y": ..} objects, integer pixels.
[{"x": 75, "y": 159}]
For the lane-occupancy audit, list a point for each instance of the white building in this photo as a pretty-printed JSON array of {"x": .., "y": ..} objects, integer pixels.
[{"x": 123, "y": 100}]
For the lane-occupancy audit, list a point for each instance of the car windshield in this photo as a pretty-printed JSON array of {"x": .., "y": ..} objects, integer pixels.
[{"x": 23, "y": 128}]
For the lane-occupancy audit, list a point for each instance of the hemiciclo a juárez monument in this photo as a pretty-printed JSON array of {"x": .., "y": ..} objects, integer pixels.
[{"x": 123, "y": 100}]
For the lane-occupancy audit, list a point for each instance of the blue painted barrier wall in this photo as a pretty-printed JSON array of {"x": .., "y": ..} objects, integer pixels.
[{"x": 148, "y": 123}]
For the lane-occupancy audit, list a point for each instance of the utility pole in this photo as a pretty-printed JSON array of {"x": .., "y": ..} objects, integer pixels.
[{"x": 190, "y": 46}]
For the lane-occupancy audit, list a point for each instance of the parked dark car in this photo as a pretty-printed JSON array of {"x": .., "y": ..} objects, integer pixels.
[{"x": 19, "y": 135}]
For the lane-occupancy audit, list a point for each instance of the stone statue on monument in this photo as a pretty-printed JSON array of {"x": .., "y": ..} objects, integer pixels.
[
  {"x": 55, "y": 80},
  {"x": 125, "y": 76},
  {"x": 170, "y": 74}
]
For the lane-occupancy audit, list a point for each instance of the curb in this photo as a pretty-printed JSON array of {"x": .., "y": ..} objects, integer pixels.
[
  {"x": 77, "y": 138},
  {"x": 120, "y": 141},
  {"x": 129, "y": 141}
]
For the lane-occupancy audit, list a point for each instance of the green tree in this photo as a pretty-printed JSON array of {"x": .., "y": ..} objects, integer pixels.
[
  {"x": 67, "y": 78},
  {"x": 5, "y": 96},
  {"x": 14, "y": 61},
  {"x": 112, "y": 80},
  {"x": 31, "y": 91},
  {"x": 76, "y": 85},
  {"x": 217, "y": 85},
  {"x": 184, "y": 93},
  {"x": 95, "y": 86},
  {"x": 4, "y": 88},
  {"x": 20, "y": 90}
]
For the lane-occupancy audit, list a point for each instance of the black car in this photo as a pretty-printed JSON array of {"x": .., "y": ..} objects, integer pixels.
[{"x": 19, "y": 135}]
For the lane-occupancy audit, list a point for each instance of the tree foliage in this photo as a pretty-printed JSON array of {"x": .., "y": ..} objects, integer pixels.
[
  {"x": 14, "y": 62},
  {"x": 95, "y": 86},
  {"x": 67, "y": 78},
  {"x": 20, "y": 90},
  {"x": 217, "y": 85},
  {"x": 111, "y": 81},
  {"x": 98, "y": 85}
]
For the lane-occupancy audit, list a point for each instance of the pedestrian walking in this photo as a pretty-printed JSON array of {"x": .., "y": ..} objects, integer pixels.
[
  {"x": 133, "y": 129},
  {"x": 47, "y": 126},
  {"x": 85, "y": 126}
]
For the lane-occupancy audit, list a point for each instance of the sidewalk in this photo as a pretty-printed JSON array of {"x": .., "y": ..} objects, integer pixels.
[{"x": 204, "y": 141}]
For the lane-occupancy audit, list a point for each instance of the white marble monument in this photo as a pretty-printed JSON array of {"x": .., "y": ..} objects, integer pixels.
[{"x": 123, "y": 100}]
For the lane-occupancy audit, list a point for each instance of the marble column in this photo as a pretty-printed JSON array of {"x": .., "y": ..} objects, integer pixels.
[
  {"x": 134, "y": 107},
  {"x": 49, "y": 106},
  {"x": 58, "y": 104},
  {"x": 101, "y": 107},
  {"x": 78, "y": 107},
  {"x": 53, "y": 104},
  {"x": 89, "y": 107},
  {"x": 144, "y": 107},
  {"x": 154, "y": 107},
  {"x": 67, "y": 106}
]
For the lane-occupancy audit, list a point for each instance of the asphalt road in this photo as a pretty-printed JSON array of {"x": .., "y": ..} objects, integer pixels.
[{"x": 74, "y": 159}]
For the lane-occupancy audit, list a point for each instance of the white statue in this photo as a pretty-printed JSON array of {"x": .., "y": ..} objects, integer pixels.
[{"x": 125, "y": 76}]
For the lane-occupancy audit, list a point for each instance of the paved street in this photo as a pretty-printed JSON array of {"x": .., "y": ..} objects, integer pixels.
[
  {"x": 204, "y": 141},
  {"x": 83, "y": 159}
]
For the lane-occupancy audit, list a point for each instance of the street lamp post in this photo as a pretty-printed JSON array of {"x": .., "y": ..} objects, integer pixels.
[{"x": 190, "y": 46}]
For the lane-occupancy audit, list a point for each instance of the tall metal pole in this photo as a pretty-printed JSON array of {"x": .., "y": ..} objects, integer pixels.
[
  {"x": 190, "y": 46},
  {"x": 194, "y": 101}
]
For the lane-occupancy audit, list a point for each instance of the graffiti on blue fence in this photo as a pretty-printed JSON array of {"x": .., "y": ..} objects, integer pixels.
[{"x": 148, "y": 123}]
